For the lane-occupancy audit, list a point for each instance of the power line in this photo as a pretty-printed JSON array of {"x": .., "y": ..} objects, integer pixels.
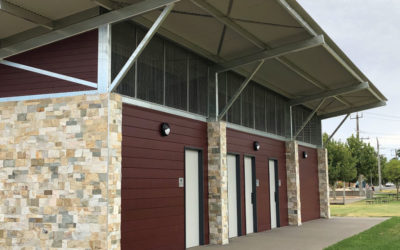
[{"x": 384, "y": 115}]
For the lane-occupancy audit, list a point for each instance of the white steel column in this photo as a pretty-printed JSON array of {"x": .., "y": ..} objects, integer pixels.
[{"x": 104, "y": 59}]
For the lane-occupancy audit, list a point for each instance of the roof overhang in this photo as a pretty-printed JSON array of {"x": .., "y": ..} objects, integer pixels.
[{"x": 301, "y": 61}]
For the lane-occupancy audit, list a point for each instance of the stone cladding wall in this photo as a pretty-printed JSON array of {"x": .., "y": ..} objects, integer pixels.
[
  {"x": 293, "y": 183},
  {"x": 60, "y": 173},
  {"x": 217, "y": 183},
  {"x": 323, "y": 179}
]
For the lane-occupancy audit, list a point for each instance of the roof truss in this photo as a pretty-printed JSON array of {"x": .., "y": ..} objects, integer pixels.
[
  {"x": 86, "y": 25},
  {"x": 329, "y": 93},
  {"x": 25, "y": 14},
  {"x": 272, "y": 53},
  {"x": 352, "y": 110}
]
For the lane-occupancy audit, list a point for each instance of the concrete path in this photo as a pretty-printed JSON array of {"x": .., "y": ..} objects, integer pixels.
[{"x": 316, "y": 234}]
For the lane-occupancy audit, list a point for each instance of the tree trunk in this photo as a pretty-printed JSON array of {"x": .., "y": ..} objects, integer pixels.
[
  {"x": 360, "y": 185},
  {"x": 334, "y": 190},
  {"x": 344, "y": 193},
  {"x": 397, "y": 187}
]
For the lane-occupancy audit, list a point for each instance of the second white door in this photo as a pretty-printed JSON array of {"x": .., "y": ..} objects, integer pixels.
[
  {"x": 192, "y": 198},
  {"x": 248, "y": 188},
  {"x": 272, "y": 193},
  {"x": 232, "y": 196}
]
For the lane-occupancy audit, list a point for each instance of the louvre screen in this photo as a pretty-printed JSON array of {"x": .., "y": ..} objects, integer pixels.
[{"x": 170, "y": 75}]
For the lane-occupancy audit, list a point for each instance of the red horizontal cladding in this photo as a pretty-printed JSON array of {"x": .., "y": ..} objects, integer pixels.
[
  {"x": 140, "y": 183},
  {"x": 154, "y": 173},
  {"x": 151, "y": 213},
  {"x": 29, "y": 83},
  {"x": 160, "y": 238},
  {"x": 242, "y": 143},
  {"x": 151, "y": 166},
  {"x": 309, "y": 187},
  {"x": 151, "y": 193},
  {"x": 153, "y": 203},
  {"x": 152, "y": 163},
  {"x": 137, "y": 152},
  {"x": 72, "y": 56}
]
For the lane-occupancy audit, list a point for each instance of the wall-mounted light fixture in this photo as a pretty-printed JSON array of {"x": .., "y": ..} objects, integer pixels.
[
  {"x": 165, "y": 129},
  {"x": 256, "y": 146},
  {"x": 305, "y": 155}
]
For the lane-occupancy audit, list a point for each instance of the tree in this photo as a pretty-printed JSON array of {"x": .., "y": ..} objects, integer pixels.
[
  {"x": 392, "y": 173},
  {"x": 341, "y": 163},
  {"x": 365, "y": 158}
]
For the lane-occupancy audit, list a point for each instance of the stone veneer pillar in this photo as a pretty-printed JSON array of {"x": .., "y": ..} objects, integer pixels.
[
  {"x": 217, "y": 183},
  {"x": 60, "y": 173},
  {"x": 323, "y": 179},
  {"x": 293, "y": 183}
]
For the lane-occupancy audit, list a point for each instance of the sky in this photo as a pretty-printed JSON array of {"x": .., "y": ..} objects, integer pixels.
[{"x": 368, "y": 31}]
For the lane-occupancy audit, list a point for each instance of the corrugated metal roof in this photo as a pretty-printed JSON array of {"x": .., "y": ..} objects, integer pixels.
[{"x": 254, "y": 26}]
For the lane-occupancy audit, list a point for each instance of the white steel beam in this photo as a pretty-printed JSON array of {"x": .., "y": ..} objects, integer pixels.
[
  {"x": 338, "y": 127},
  {"x": 49, "y": 73},
  {"x": 352, "y": 110},
  {"x": 329, "y": 93},
  {"x": 140, "y": 48},
  {"x": 25, "y": 14},
  {"x": 272, "y": 53},
  {"x": 239, "y": 91},
  {"x": 45, "y": 96},
  {"x": 309, "y": 119},
  {"x": 86, "y": 25}
]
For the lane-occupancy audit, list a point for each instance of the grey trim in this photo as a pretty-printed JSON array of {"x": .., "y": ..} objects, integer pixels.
[
  {"x": 161, "y": 108},
  {"x": 86, "y": 25},
  {"x": 338, "y": 127},
  {"x": 256, "y": 132},
  {"x": 309, "y": 118},
  {"x": 330, "y": 93},
  {"x": 45, "y": 96},
  {"x": 49, "y": 73},
  {"x": 25, "y": 14},
  {"x": 306, "y": 144},
  {"x": 104, "y": 58},
  {"x": 140, "y": 48},
  {"x": 239, "y": 91},
  {"x": 352, "y": 110},
  {"x": 272, "y": 53}
]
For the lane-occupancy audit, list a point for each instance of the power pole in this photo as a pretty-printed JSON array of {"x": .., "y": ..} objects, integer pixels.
[
  {"x": 360, "y": 187},
  {"x": 357, "y": 124},
  {"x": 379, "y": 165}
]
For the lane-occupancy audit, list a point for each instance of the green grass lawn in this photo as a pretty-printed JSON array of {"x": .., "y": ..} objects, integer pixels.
[
  {"x": 385, "y": 236},
  {"x": 361, "y": 209}
]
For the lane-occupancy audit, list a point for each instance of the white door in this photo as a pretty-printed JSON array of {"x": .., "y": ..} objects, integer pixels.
[
  {"x": 232, "y": 197},
  {"x": 192, "y": 198},
  {"x": 248, "y": 189},
  {"x": 272, "y": 193}
]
